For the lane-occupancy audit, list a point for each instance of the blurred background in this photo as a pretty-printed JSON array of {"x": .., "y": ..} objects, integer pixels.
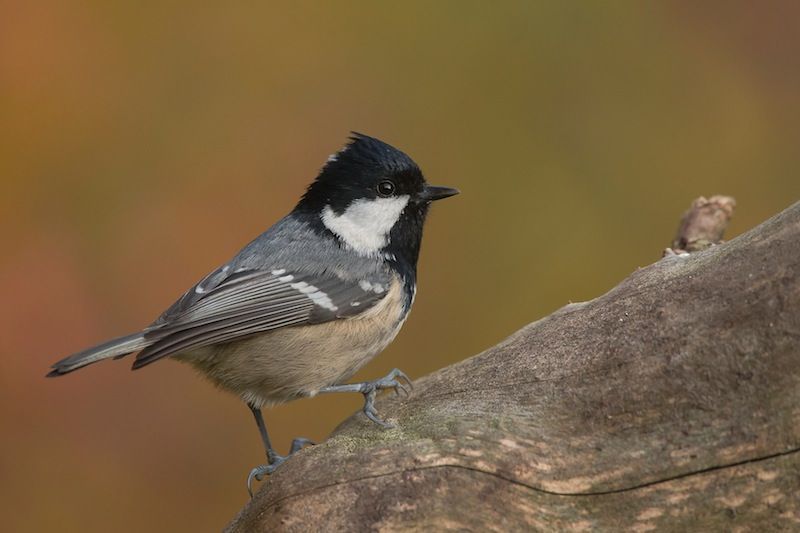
[{"x": 143, "y": 146}]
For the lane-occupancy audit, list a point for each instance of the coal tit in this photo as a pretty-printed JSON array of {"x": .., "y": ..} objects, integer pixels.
[{"x": 306, "y": 304}]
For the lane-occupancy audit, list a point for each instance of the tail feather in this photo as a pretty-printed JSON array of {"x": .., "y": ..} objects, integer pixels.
[{"x": 115, "y": 348}]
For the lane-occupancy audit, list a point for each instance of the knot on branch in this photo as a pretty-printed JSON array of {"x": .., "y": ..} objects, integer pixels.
[{"x": 702, "y": 225}]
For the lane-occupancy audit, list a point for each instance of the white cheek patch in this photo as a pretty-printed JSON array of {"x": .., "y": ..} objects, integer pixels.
[{"x": 365, "y": 224}]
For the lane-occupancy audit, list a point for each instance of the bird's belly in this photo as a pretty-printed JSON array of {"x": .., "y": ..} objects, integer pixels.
[{"x": 293, "y": 362}]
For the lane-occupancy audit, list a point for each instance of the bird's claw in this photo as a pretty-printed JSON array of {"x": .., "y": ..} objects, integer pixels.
[
  {"x": 275, "y": 460},
  {"x": 390, "y": 381},
  {"x": 298, "y": 444},
  {"x": 258, "y": 474},
  {"x": 396, "y": 380}
]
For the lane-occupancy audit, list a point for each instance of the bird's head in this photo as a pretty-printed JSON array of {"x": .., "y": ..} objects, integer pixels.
[{"x": 373, "y": 198}]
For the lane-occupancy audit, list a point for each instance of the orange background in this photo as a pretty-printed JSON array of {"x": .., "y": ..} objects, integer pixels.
[{"x": 143, "y": 146}]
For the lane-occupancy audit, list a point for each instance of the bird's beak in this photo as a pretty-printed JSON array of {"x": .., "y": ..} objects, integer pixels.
[{"x": 432, "y": 192}]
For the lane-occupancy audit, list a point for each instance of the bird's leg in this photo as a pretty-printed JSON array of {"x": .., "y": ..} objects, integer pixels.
[
  {"x": 370, "y": 388},
  {"x": 262, "y": 430},
  {"x": 273, "y": 459}
]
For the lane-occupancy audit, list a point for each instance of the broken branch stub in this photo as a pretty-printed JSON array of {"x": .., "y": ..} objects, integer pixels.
[{"x": 703, "y": 224}]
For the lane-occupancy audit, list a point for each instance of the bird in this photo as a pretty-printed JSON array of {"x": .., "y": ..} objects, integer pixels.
[{"x": 297, "y": 311}]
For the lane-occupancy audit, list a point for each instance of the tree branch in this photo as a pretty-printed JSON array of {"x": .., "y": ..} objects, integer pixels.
[{"x": 672, "y": 401}]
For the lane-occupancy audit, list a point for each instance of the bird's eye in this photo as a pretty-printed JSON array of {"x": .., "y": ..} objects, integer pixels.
[{"x": 385, "y": 188}]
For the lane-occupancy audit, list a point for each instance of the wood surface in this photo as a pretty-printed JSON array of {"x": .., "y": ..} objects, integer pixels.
[{"x": 670, "y": 403}]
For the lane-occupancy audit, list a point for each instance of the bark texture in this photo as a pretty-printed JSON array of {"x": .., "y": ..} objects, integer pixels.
[{"x": 672, "y": 402}]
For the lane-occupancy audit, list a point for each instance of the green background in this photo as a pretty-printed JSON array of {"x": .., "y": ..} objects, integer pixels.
[{"x": 144, "y": 144}]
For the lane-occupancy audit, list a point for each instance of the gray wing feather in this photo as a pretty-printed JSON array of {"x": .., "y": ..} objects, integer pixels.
[
  {"x": 238, "y": 295},
  {"x": 251, "y": 302}
]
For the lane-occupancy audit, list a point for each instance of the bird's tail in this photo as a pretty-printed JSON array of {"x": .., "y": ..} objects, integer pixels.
[{"x": 114, "y": 348}]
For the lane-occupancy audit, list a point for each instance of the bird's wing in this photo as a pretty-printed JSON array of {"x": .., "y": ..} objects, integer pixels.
[{"x": 255, "y": 301}]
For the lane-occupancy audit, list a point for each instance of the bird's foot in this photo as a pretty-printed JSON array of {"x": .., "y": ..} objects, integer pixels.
[
  {"x": 397, "y": 380},
  {"x": 275, "y": 460}
]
